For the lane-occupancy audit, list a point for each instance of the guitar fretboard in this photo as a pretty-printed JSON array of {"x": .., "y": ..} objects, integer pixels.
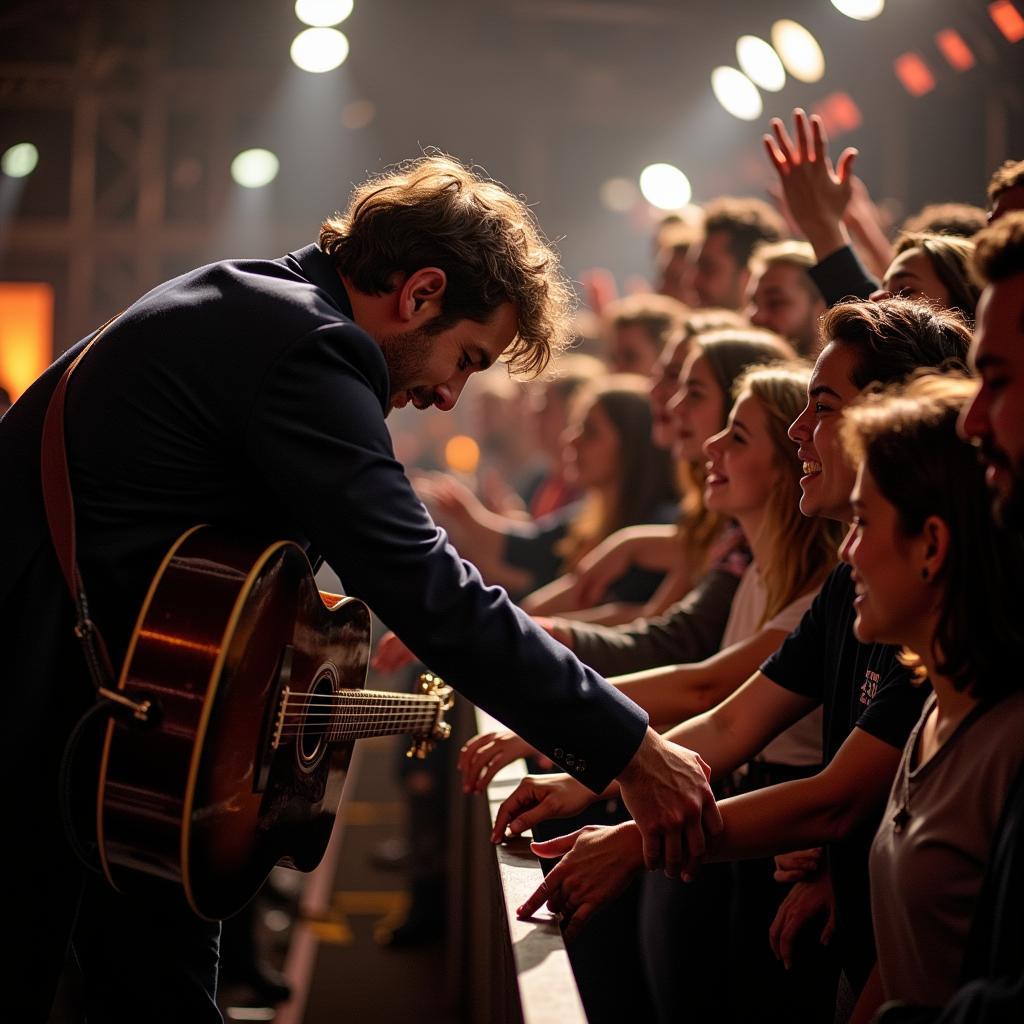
[{"x": 359, "y": 714}]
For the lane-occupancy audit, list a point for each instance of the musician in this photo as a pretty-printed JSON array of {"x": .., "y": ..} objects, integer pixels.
[{"x": 253, "y": 395}]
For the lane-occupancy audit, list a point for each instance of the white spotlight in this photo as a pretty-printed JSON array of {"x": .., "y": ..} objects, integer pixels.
[
  {"x": 323, "y": 12},
  {"x": 254, "y": 168},
  {"x": 859, "y": 10},
  {"x": 736, "y": 93},
  {"x": 799, "y": 51},
  {"x": 319, "y": 49},
  {"x": 760, "y": 63},
  {"x": 320, "y": 13},
  {"x": 665, "y": 186},
  {"x": 20, "y": 160}
]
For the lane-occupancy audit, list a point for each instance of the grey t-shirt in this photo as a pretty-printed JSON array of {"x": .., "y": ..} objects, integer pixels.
[{"x": 930, "y": 851}]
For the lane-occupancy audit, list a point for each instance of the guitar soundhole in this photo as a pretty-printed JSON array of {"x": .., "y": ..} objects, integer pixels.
[{"x": 314, "y": 735}]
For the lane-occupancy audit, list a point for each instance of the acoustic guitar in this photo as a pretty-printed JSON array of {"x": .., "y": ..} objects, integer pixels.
[{"x": 249, "y": 684}]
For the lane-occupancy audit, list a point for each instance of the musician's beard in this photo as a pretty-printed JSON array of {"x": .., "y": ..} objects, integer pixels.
[{"x": 407, "y": 356}]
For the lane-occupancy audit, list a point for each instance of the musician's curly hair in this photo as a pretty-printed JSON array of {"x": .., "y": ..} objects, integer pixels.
[{"x": 437, "y": 212}]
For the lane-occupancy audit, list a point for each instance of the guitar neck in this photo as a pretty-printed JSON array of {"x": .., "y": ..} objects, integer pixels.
[{"x": 359, "y": 714}]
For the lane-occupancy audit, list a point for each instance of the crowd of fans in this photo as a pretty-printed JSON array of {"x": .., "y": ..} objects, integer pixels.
[{"x": 780, "y": 504}]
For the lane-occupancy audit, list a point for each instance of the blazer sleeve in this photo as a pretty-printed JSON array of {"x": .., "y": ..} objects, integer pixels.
[
  {"x": 691, "y": 630},
  {"x": 317, "y": 437}
]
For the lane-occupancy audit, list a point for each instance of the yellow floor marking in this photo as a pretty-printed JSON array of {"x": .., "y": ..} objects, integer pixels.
[{"x": 333, "y": 927}]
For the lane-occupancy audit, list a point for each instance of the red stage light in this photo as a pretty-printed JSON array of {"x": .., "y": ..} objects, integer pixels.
[
  {"x": 1008, "y": 20},
  {"x": 839, "y": 113},
  {"x": 912, "y": 71},
  {"x": 954, "y": 49}
]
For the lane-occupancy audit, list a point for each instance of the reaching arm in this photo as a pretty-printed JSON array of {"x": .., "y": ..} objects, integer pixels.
[
  {"x": 679, "y": 692},
  {"x": 733, "y": 732},
  {"x": 649, "y": 547},
  {"x": 809, "y": 812}
]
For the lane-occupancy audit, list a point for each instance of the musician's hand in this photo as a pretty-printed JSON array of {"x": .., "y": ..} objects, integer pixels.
[
  {"x": 485, "y": 755},
  {"x": 538, "y": 798},
  {"x": 597, "y": 865},
  {"x": 391, "y": 654},
  {"x": 797, "y": 866},
  {"x": 816, "y": 194},
  {"x": 804, "y": 902},
  {"x": 666, "y": 788}
]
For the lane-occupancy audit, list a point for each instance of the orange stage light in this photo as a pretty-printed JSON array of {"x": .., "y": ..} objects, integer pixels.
[
  {"x": 839, "y": 113},
  {"x": 954, "y": 49},
  {"x": 26, "y": 333},
  {"x": 912, "y": 71},
  {"x": 1008, "y": 20}
]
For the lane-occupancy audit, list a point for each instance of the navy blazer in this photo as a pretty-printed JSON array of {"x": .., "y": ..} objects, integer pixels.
[{"x": 243, "y": 393}]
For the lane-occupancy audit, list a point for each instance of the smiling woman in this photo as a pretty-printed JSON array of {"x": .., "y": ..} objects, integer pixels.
[{"x": 933, "y": 574}]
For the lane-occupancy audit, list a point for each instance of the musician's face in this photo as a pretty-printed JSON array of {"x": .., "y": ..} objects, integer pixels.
[{"x": 432, "y": 369}]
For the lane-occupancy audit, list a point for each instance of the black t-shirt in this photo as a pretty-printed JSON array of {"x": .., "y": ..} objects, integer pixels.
[{"x": 862, "y": 686}]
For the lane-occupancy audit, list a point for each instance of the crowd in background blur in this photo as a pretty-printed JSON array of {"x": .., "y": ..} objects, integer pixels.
[{"x": 745, "y": 497}]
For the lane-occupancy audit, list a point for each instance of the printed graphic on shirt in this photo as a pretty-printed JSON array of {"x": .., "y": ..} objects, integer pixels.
[{"x": 869, "y": 688}]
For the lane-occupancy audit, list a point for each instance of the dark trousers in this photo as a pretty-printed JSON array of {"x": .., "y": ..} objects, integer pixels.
[{"x": 705, "y": 943}]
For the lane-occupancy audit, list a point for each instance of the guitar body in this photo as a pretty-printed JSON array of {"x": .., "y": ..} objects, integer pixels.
[{"x": 239, "y": 654}]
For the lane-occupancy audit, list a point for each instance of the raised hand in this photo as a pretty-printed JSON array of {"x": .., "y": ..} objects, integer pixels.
[
  {"x": 816, "y": 193},
  {"x": 538, "y": 798},
  {"x": 803, "y": 903},
  {"x": 482, "y": 757},
  {"x": 666, "y": 788},
  {"x": 598, "y": 862}
]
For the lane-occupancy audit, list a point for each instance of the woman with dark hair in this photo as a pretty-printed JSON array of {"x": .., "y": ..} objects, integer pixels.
[
  {"x": 933, "y": 267},
  {"x": 609, "y": 457},
  {"x": 934, "y": 575},
  {"x": 700, "y": 408}
]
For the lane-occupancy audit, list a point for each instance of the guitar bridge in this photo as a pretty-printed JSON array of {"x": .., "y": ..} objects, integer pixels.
[{"x": 279, "y": 723}]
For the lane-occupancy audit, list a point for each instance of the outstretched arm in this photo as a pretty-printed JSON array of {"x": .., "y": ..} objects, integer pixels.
[{"x": 816, "y": 193}]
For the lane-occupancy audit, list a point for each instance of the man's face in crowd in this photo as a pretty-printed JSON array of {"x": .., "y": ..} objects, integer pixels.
[
  {"x": 676, "y": 272},
  {"x": 631, "y": 350},
  {"x": 828, "y": 476},
  {"x": 718, "y": 279},
  {"x": 781, "y": 301},
  {"x": 432, "y": 369},
  {"x": 994, "y": 420}
]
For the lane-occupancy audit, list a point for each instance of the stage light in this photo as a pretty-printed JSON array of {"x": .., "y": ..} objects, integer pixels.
[
  {"x": 736, "y": 93},
  {"x": 915, "y": 75},
  {"x": 20, "y": 160},
  {"x": 254, "y": 168},
  {"x": 665, "y": 186},
  {"x": 956, "y": 51},
  {"x": 859, "y": 10},
  {"x": 799, "y": 51},
  {"x": 26, "y": 333},
  {"x": 619, "y": 195},
  {"x": 322, "y": 13},
  {"x": 839, "y": 113},
  {"x": 1008, "y": 20},
  {"x": 317, "y": 50},
  {"x": 462, "y": 454},
  {"x": 760, "y": 63}
]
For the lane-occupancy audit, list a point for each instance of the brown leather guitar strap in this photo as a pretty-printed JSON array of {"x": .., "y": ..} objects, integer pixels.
[{"x": 60, "y": 516}]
